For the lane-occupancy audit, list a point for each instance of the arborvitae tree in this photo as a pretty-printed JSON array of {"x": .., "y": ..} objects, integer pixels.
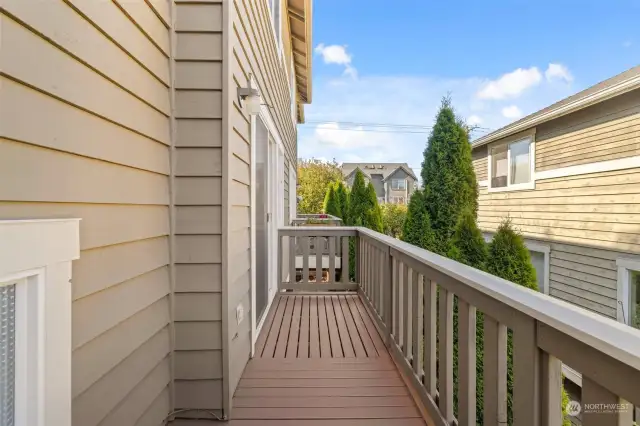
[
  {"x": 342, "y": 196},
  {"x": 417, "y": 225},
  {"x": 359, "y": 199},
  {"x": 450, "y": 186},
  {"x": 331, "y": 204},
  {"x": 374, "y": 213},
  {"x": 467, "y": 243}
]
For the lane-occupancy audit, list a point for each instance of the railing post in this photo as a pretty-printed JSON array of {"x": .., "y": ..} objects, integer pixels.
[
  {"x": 551, "y": 390},
  {"x": 526, "y": 372},
  {"x": 280, "y": 260},
  {"x": 387, "y": 288},
  {"x": 357, "y": 261},
  {"x": 596, "y": 395}
]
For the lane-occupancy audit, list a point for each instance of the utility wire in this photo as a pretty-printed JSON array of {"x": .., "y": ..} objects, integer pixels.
[{"x": 391, "y": 125}]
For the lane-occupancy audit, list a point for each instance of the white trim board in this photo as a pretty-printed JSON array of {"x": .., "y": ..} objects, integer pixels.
[
  {"x": 583, "y": 169},
  {"x": 36, "y": 256}
]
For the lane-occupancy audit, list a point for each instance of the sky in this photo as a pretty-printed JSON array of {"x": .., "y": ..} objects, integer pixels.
[{"x": 498, "y": 60}]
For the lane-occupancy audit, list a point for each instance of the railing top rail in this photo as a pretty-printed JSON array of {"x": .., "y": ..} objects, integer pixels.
[
  {"x": 615, "y": 339},
  {"x": 317, "y": 216},
  {"x": 318, "y": 229}
]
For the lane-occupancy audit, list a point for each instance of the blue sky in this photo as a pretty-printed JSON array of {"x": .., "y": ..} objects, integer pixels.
[{"x": 499, "y": 60}]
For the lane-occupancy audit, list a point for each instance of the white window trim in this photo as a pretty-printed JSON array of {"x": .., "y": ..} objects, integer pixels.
[
  {"x": 625, "y": 266},
  {"x": 399, "y": 180},
  {"x": 277, "y": 29},
  {"x": 532, "y": 163},
  {"x": 37, "y": 255}
]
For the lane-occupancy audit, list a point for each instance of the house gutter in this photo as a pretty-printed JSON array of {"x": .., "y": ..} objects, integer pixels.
[{"x": 578, "y": 104}]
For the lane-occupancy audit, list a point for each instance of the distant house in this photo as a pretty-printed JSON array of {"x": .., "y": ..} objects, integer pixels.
[{"x": 394, "y": 182}]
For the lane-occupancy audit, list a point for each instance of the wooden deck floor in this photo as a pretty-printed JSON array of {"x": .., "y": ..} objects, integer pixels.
[{"x": 320, "y": 362}]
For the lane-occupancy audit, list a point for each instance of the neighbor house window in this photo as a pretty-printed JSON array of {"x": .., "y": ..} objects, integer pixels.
[
  {"x": 398, "y": 200},
  {"x": 512, "y": 165},
  {"x": 398, "y": 184},
  {"x": 540, "y": 259}
]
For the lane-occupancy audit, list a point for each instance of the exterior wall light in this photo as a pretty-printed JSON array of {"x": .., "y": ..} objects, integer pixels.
[{"x": 251, "y": 97}]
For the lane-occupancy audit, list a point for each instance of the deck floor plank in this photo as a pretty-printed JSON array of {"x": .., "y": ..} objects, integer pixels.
[
  {"x": 294, "y": 329},
  {"x": 334, "y": 334},
  {"x": 321, "y": 362},
  {"x": 343, "y": 331},
  {"x": 323, "y": 327}
]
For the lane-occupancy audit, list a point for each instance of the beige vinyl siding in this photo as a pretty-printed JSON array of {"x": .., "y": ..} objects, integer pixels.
[
  {"x": 84, "y": 132},
  {"x": 606, "y": 131},
  {"x": 480, "y": 164},
  {"x": 198, "y": 221},
  {"x": 252, "y": 52}
]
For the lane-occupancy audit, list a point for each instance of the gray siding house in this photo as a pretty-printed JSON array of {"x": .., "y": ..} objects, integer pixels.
[
  {"x": 394, "y": 182},
  {"x": 568, "y": 176},
  {"x": 128, "y": 116}
]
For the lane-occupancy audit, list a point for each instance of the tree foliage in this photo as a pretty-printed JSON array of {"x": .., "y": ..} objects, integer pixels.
[
  {"x": 314, "y": 177},
  {"x": 509, "y": 257},
  {"x": 467, "y": 243},
  {"x": 374, "y": 213},
  {"x": 331, "y": 202},
  {"x": 417, "y": 225},
  {"x": 450, "y": 186},
  {"x": 342, "y": 196},
  {"x": 359, "y": 202},
  {"x": 393, "y": 216}
]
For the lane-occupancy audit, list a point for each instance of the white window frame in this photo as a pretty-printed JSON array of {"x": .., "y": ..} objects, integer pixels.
[
  {"x": 36, "y": 256},
  {"x": 397, "y": 181},
  {"x": 625, "y": 266},
  {"x": 276, "y": 6},
  {"x": 532, "y": 163}
]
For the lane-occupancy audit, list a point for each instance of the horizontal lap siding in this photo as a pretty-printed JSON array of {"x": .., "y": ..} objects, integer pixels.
[
  {"x": 253, "y": 52},
  {"x": 84, "y": 132},
  {"x": 480, "y": 163},
  {"x": 606, "y": 131},
  {"x": 198, "y": 206}
]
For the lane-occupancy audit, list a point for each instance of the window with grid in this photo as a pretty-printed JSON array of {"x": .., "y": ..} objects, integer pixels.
[
  {"x": 398, "y": 184},
  {"x": 7, "y": 353}
]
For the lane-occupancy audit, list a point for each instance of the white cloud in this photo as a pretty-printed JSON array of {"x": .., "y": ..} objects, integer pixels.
[
  {"x": 397, "y": 99},
  {"x": 558, "y": 72},
  {"x": 336, "y": 54},
  {"x": 512, "y": 111},
  {"x": 510, "y": 85},
  {"x": 474, "y": 120}
]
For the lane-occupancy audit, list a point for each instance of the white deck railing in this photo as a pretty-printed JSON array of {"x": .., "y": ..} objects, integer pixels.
[{"x": 411, "y": 293}]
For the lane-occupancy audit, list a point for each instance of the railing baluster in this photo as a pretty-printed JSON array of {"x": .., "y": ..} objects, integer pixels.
[
  {"x": 292, "y": 259},
  {"x": 344, "y": 263},
  {"x": 332, "y": 259},
  {"x": 397, "y": 265},
  {"x": 381, "y": 281},
  {"x": 377, "y": 293},
  {"x": 551, "y": 390},
  {"x": 305, "y": 259},
  {"x": 526, "y": 372},
  {"x": 387, "y": 294},
  {"x": 430, "y": 327},
  {"x": 416, "y": 308},
  {"x": 495, "y": 372},
  {"x": 319, "y": 250},
  {"x": 365, "y": 267},
  {"x": 467, "y": 364},
  {"x": 593, "y": 393},
  {"x": 445, "y": 355},
  {"x": 406, "y": 315}
]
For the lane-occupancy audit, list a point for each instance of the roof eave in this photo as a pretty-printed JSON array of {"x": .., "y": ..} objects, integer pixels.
[{"x": 578, "y": 104}]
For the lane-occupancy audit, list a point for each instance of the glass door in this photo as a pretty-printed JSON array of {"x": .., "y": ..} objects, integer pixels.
[{"x": 262, "y": 218}]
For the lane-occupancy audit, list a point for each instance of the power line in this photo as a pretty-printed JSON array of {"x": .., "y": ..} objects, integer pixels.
[
  {"x": 392, "y": 125},
  {"x": 399, "y": 131}
]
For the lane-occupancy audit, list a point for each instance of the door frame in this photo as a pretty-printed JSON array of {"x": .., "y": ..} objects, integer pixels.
[{"x": 265, "y": 116}]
